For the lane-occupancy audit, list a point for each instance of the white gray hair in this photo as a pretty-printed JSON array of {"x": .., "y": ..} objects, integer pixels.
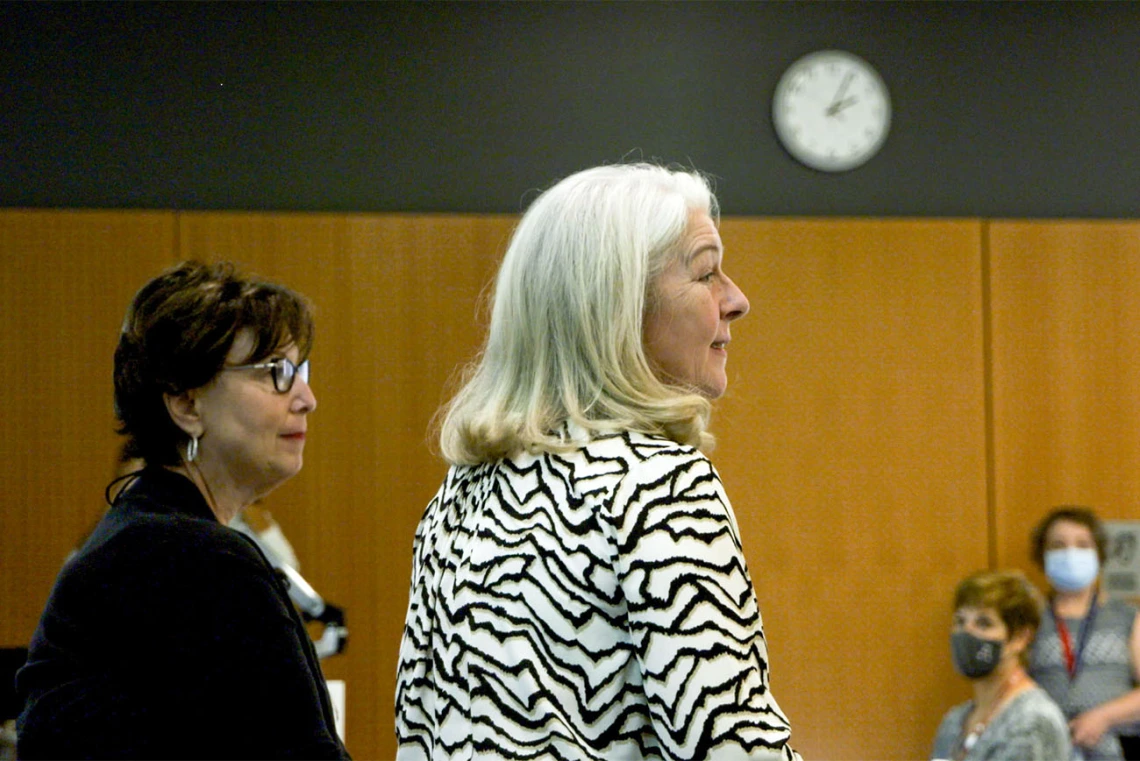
[{"x": 565, "y": 339}]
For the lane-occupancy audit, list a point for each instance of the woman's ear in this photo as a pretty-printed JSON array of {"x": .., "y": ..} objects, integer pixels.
[
  {"x": 1020, "y": 640},
  {"x": 183, "y": 409}
]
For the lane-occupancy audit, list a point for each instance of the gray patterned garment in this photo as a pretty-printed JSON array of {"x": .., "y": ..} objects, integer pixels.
[
  {"x": 587, "y": 605},
  {"x": 1029, "y": 728},
  {"x": 1105, "y": 669}
]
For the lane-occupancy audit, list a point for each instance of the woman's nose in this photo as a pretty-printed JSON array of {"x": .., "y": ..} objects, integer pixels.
[
  {"x": 735, "y": 303},
  {"x": 304, "y": 401}
]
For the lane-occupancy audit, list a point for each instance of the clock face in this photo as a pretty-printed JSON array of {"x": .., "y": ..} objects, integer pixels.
[{"x": 831, "y": 110}]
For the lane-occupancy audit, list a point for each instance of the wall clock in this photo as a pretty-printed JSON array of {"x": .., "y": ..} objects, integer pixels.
[{"x": 832, "y": 110}]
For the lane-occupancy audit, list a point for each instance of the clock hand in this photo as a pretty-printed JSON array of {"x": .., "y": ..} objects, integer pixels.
[
  {"x": 837, "y": 103},
  {"x": 835, "y": 108}
]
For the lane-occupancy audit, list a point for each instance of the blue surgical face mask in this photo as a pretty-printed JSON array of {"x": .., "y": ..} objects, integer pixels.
[{"x": 1072, "y": 569}]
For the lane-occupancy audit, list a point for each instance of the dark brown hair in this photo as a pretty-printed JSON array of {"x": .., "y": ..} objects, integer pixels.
[
  {"x": 1083, "y": 516},
  {"x": 176, "y": 335}
]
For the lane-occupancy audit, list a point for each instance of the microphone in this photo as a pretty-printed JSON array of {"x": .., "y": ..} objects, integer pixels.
[{"x": 334, "y": 636}]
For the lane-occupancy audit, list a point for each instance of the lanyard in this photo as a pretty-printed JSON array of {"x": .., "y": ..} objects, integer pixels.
[
  {"x": 1073, "y": 658},
  {"x": 969, "y": 739}
]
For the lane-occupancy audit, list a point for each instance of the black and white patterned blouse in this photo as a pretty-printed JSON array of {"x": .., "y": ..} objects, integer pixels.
[{"x": 589, "y": 605}]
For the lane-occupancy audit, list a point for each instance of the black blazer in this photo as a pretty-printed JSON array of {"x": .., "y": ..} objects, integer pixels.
[{"x": 170, "y": 636}]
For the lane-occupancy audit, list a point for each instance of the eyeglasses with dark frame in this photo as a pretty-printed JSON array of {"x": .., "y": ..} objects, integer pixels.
[{"x": 283, "y": 370}]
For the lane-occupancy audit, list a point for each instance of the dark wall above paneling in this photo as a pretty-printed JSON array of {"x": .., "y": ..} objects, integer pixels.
[{"x": 1000, "y": 109}]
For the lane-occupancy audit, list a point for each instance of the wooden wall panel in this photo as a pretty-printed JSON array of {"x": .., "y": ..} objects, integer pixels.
[
  {"x": 852, "y": 439},
  {"x": 65, "y": 281},
  {"x": 851, "y": 442},
  {"x": 396, "y": 300},
  {"x": 1066, "y": 387}
]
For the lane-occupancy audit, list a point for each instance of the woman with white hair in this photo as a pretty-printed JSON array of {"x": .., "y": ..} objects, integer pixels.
[{"x": 578, "y": 586}]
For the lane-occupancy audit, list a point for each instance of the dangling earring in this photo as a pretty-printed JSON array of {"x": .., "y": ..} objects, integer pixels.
[{"x": 192, "y": 449}]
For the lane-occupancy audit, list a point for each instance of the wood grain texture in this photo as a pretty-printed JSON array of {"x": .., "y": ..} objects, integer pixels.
[
  {"x": 1066, "y": 336},
  {"x": 851, "y": 442},
  {"x": 65, "y": 281}
]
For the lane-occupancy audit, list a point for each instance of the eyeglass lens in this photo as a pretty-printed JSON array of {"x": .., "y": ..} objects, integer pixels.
[{"x": 285, "y": 372}]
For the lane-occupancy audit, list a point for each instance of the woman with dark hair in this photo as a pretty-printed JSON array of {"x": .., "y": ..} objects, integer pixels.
[
  {"x": 1087, "y": 653},
  {"x": 169, "y": 635}
]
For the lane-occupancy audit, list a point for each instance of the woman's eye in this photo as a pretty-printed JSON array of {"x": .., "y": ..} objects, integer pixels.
[{"x": 707, "y": 277}]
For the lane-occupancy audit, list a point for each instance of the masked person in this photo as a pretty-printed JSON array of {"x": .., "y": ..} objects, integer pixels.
[
  {"x": 996, "y": 614},
  {"x": 1087, "y": 653}
]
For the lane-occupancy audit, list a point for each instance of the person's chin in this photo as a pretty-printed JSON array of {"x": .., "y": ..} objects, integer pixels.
[
  {"x": 288, "y": 466},
  {"x": 714, "y": 388},
  {"x": 296, "y": 465}
]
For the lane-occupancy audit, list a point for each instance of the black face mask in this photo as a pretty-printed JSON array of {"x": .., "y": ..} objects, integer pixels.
[{"x": 974, "y": 657}]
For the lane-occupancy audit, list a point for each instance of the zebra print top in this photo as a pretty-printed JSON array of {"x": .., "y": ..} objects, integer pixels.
[{"x": 590, "y": 605}]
